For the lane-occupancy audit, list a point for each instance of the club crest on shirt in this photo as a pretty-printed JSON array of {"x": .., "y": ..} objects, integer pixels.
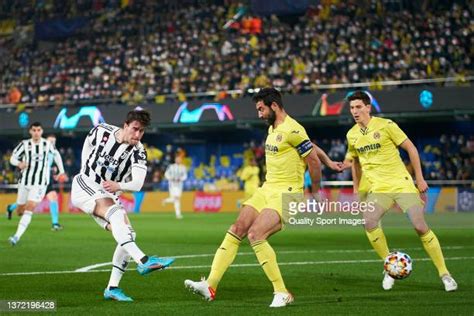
[
  {"x": 376, "y": 135},
  {"x": 279, "y": 138}
]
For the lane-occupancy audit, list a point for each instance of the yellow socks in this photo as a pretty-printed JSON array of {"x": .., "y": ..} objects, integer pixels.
[
  {"x": 432, "y": 247},
  {"x": 378, "y": 241},
  {"x": 267, "y": 258},
  {"x": 223, "y": 258}
]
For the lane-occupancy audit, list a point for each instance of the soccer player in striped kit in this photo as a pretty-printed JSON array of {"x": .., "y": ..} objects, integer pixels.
[
  {"x": 176, "y": 174},
  {"x": 114, "y": 160},
  {"x": 31, "y": 156}
]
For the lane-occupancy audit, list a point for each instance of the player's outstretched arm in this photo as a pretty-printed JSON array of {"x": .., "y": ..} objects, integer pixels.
[
  {"x": 324, "y": 158},
  {"x": 314, "y": 167},
  {"x": 410, "y": 148}
]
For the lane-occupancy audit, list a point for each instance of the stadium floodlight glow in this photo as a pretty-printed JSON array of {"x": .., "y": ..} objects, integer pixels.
[
  {"x": 23, "y": 119},
  {"x": 63, "y": 121},
  {"x": 184, "y": 115}
]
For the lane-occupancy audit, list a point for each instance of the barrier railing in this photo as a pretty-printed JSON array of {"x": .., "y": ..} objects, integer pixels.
[{"x": 314, "y": 88}]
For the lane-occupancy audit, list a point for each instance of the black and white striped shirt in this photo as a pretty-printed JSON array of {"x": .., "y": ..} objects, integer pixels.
[
  {"x": 104, "y": 158},
  {"x": 176, "y": 174},
  {"x": 36, "y": 156}
]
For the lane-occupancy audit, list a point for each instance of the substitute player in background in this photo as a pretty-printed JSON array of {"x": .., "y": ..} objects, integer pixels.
[
  {"x": 32, "y": 157},
  {"x": 111, "y": 156},
  {"x": 250, "y": 175},
  {"x": 176, "y": 174},
  {"x": 287, "y": 150},
  {"x": 381, "y": 177}
]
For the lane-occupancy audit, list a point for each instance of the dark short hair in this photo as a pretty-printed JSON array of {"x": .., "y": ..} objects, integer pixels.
[
  {"x": 139, "y": 115},
  {"x": 268, "y": 96},
  {"x": 35, "y": 124},
  {"x": 359, "y": 95}
]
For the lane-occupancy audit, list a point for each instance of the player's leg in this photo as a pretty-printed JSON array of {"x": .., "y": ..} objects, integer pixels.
[
  {"x": 25, "y": 220},
  {"x": 124, "y": 234},
  {"x": 177, "y": 204},
  {"x": 27, "y": 200},
  {"x": 52, "y": 197},
  {"x": 119, "y": 266},
  {"x": 372, "y": 218},
  {"x": 120, "y": 261},
  {"x": 381, "y": 202},
  {"x": 267, "y": 223},
  {"x": 431, "y": 244},
  {"x": 170, "y": 198},
  {"x": 229, "y": 247},
  {"x": 225, "y": 254},
  {"x": 10, "y": 209}
]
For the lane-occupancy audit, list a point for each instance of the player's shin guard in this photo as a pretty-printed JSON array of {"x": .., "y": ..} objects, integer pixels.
[
  {"x": 119, "y": 265},
  {"x": 54, "y": 211},
  {"x": 267, "y": 258},
  {"x": 123, "y": 232},
  {"x": 23, "y": 224},
  {"x": 432, "y": 247},
  {"x": 223, "y": 258},
  {"x": 378, "y": 241}
]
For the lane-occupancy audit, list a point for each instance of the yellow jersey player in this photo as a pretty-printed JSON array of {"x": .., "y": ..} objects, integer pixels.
[
  {"x": 381, "y": 177},
  {"x": 287, "y": 150},
  {"x": 250, "y": 176}
]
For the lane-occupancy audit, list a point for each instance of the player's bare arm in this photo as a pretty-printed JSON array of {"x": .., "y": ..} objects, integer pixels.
[
  {"x": 328, "y": 162},
  {"x": 410, "y": 148},
  {"x": 314, "y": 167}
]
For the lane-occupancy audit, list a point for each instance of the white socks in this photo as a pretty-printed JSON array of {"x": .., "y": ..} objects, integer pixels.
[
  {"x": 119, "y": 265},
  {"x": 123, "y": 232},
  {"x": 23, "y": 224},
  {"x": 177, "y": 208}
]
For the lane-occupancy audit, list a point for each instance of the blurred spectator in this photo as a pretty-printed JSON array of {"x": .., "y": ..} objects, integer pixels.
[{"x": 152, "y": 48}]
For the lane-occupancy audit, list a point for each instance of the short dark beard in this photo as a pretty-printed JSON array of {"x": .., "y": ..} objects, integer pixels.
[{"x": 271, "y": 118}]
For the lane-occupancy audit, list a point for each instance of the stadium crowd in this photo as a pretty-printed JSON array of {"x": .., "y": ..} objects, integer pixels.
[{"x": 148, "y": 49}]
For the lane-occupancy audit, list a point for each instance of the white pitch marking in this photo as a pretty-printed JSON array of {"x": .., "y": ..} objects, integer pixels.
[
  {"x": 242, "y": 265},
  {"x": 104, "y": 264}
]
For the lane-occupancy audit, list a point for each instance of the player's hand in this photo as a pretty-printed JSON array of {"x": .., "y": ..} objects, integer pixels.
[
  {"x": 336, "y": 166},
  {"x": 111, "y": 186},
  {"x": 62, "y": 177},
  {"x": 344, "y": 165},
  {"x": 22, "y": 165},
  {"x": 422, "y": 185}
]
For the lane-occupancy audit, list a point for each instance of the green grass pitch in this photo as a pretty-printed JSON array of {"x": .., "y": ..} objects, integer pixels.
[{"x": 320, "y": 266}]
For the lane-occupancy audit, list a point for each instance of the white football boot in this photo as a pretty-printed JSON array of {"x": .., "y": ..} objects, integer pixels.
[
  {"x": 449, "y": 284},
  {"x": 387, "y": 282},
  {"x": 281, "y": 299},
  {"x": 202, "y": 288}
]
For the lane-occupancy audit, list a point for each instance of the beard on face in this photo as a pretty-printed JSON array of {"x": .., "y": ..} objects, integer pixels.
[{"x": 271, "y": 117}]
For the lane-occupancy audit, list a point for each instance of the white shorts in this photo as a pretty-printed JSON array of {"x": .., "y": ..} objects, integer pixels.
[
  {"x": 175, "y": 192},
  {"x": 34, "y": 193},
  {"x": 84, "y": 193}
]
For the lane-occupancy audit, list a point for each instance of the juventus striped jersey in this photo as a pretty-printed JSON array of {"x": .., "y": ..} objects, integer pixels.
[
  {"x": 176, "y": 174},
  {"x": 36, "y": 156},
  {"x": 104, "y": 158}
]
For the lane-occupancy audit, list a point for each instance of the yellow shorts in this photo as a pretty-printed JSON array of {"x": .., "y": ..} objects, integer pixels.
[
  {"x": 404, "y": 200},
  {"x": 275, "y": 197},
  {"x": 400, "y": 190}
]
